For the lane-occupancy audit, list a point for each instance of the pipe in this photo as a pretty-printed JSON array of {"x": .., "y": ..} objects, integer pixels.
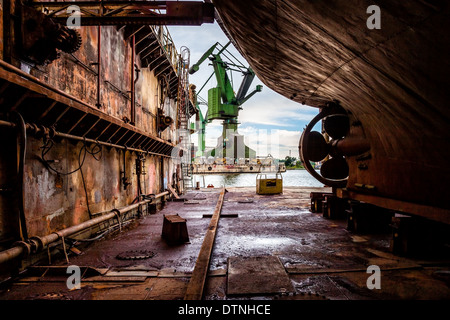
[
  {"x": 27, "y": 76},
  {"x": 133, "y": 97},
  {"x": 37, "y": 244},
  {"x": 107, "y": 144},
  {"x": 99, "y": 76},
  {"x": 10, "y": 254},
  {"x": 124, "y": 172},
  {"x": 136, "y": 79},
  {"x": 41, "y": 129},
  {"x": 21, "y": 154}
]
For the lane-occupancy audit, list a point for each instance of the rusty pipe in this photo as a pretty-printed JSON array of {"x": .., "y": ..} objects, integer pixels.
[
  {"x": 99, "y": 66},
  {"x": 38, "y": 129},
  {"x": 11, "y": 254},
  {"x": 36, "y": 244},
  {"x": 7, "y": 124},
  {"x": 21, "y": 154},
  {"x": 20, "y": 167},
  {"x": 132, "y": 82}
]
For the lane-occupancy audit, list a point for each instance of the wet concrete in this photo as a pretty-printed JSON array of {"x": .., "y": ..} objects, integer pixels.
[{"x": 322, "y": 259}]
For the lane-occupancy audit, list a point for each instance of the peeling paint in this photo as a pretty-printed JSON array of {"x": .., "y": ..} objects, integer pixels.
[
  {"x": 55, "y": 214},
  {"x": 45, "y": 186},
  {"x": 53, "y": 202}
]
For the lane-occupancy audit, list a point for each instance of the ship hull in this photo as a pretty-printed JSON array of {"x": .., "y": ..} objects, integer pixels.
[{"x": 391, "y": 81}]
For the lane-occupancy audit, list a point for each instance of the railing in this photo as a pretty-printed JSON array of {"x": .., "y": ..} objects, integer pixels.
[{"x": 162, "y": 34}]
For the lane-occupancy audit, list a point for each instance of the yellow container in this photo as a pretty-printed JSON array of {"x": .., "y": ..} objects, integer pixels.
[{"x": 266, "y": 185}]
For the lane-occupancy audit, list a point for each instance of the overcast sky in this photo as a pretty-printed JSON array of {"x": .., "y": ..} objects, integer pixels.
[{"x": 266, "y": 114}]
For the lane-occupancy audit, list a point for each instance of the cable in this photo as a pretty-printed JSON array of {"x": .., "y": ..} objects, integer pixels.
[
  {"x": 84, "y": 187},
  {"x": 21, "y": 154},
  {"x": 46, "y": 148},
  {"x": 94, "y": 151}
]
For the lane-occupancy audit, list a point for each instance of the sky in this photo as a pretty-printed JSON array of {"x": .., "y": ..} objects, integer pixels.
[{"x": 269, "y": 122}]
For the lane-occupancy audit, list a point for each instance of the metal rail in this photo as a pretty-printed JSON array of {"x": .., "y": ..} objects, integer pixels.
[{"x": 197, "y": 283}]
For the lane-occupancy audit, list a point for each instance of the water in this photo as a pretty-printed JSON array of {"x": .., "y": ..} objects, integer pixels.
[{"x": 291, "y": 178}]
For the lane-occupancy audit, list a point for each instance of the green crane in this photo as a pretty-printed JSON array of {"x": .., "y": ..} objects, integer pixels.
[{"x": 223, "y": 103}]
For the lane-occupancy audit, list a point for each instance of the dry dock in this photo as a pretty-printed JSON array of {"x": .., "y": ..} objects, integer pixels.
[{"x": 266, "y": 247}]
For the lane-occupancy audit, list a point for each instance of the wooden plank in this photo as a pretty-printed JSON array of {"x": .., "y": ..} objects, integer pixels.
[
  {"x": 197, "y": 283},
  {"x": 257, "y": 275},
  {"x": 172, "y": 191}
]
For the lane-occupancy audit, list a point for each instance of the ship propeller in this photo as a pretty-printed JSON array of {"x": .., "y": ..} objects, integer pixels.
[{"x": 315, "y": 147}]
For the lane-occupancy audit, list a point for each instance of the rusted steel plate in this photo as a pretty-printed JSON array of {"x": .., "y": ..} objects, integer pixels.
[{"x": 257, "y": 275}]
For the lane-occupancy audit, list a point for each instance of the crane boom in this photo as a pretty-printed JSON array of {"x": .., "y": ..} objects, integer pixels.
[{"x": 223, "y": 103}]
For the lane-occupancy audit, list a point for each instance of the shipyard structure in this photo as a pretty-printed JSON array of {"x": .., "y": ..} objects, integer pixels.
[
  {"x": 96, "y": 196},
  {"x": 92, "y": 116}
]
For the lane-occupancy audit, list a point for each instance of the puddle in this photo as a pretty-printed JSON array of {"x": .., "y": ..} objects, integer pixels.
[{"x": 240, "y": 244}]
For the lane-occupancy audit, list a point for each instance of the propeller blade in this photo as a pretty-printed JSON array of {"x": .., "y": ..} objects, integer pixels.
[
  {"x": 337, "y": 125},
  {"x": 336, "y": 168},
  {"x": 317, "y": 148}
]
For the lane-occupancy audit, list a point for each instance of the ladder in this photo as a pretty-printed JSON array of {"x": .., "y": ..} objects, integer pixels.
[{"x": 184, "y": 135}]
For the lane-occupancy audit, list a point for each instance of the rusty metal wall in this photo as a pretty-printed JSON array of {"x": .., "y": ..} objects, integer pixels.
[{"x": 53, "y": 201}]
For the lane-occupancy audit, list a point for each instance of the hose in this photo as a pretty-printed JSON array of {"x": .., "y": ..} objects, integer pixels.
[{"x": 21, "y": 154}]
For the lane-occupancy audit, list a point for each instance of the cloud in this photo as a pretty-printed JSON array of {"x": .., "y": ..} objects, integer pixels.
[
  {"x": 275, "y": 110},
  {"x": 277, "y": 142},
  {"x": 266, "y": 110}
]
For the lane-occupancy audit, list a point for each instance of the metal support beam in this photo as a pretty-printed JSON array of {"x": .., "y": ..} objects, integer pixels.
[
  {"x": 197, "y": 283},
  {"x": 92, "y": 127},
  {"x": 432, "y": 213},
  {"x": 34, "y": 130},
  {"x": 77, "y": 123},
  {"x": 98, "y": 13},
  {"x": 150, "y": 52},
  {"x": 163, "y": 70},
  {"x": 157, "y": 65},
  {"x": 104, "y": 130},
  {"x": 52, "y": 105},
  {"x": 134, "y": 32},
  {"x": 147, "y": 47}
]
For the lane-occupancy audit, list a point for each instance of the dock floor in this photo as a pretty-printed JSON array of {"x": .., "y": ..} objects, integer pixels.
[{"x": 276, "y": 247}]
